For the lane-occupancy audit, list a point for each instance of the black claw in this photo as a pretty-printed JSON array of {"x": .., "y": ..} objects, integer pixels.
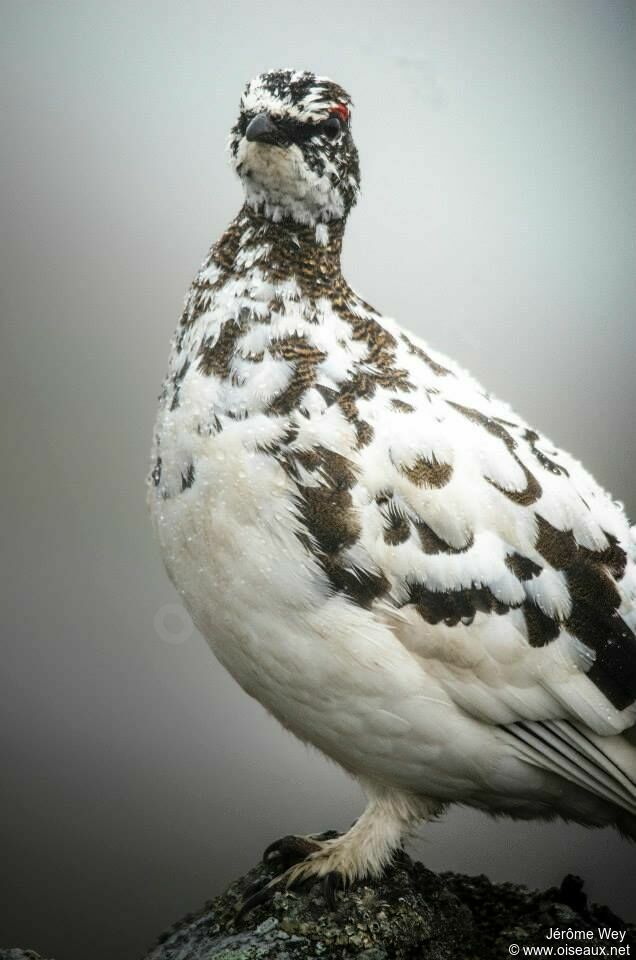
[
  {"x": 264, "y": 895},
  {"x": 253, "y": 888},
  {"x": 330, "y": 884},
  {"x": 289, "y": 850},
  {"x": 273, "y": 850}
]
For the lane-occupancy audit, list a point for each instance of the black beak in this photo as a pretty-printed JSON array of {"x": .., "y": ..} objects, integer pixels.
[{"x": 262, "y": 129}]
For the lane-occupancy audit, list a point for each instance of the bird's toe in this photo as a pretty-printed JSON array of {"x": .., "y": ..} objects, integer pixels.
[
  {"x": 290, "y": 850},
  {"x": 331, "y": 883},
  {"x": 256, "y": 895}
]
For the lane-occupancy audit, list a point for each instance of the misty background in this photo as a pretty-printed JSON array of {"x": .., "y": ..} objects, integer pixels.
[{"x": 497, "y": 220}]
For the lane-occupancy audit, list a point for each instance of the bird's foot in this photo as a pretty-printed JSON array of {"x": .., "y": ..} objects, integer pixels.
[
  {"x": 339, "y": 860},
  {"x": 305, "y": 859},
  {"x": 291, "y": 850}
]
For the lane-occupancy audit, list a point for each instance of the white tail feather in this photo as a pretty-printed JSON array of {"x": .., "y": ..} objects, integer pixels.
[{"x": 603, "y": 766}]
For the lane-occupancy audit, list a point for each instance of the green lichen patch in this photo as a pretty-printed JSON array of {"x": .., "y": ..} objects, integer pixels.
[{"x": 408, "y": 914}]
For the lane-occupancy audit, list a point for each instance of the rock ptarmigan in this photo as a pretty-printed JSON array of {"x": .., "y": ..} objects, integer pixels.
[{"x": 400, "y": 569}]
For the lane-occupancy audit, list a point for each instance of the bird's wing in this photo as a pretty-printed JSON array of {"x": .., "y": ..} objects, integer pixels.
[
  {"x": 604, "y": 766},
  {"x": 498, "y": 560}
]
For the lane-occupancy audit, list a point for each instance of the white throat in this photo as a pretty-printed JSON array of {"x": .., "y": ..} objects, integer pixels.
[{"x": 279, "y": 184}]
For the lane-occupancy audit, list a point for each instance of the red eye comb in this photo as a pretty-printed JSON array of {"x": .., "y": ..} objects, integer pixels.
[{"x": 341, "y": 111}]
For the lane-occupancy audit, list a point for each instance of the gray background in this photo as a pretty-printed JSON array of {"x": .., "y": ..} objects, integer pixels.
[{"x": 497, "y": 220}]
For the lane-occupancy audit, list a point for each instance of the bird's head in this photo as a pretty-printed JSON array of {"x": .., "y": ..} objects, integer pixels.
[{"x": 292, "y": 147}]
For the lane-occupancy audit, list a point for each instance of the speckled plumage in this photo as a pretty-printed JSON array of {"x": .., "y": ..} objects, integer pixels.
[{"x": 388, "y": 558}]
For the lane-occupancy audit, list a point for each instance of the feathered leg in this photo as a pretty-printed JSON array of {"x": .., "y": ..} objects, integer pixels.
[{"x": 365, "y": 850}]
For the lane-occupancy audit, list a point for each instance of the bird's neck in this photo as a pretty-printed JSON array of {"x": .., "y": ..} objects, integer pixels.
[
  {"x": 283, "y": 250},
  {"x": 263, "y": 259}
]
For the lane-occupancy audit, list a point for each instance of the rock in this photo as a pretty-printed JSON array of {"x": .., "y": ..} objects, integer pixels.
[
  {"x": 409, "y": 914},
  {"x": 15, "y": 953}
]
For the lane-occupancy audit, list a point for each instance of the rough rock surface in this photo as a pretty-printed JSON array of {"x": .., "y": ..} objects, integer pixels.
[
  {"x": 15, "y": 953},
  {"x": 410, "y": 914}
]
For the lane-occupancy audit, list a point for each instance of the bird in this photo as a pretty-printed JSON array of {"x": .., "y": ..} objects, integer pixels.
[{"x": 400, "y": 569}]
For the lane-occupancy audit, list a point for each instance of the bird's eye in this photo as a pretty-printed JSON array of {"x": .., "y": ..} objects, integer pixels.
[{"x": 332, "y": 127}]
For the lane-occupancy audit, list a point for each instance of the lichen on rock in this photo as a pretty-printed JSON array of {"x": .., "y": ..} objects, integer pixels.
[{"x": 408, "y": 914}]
